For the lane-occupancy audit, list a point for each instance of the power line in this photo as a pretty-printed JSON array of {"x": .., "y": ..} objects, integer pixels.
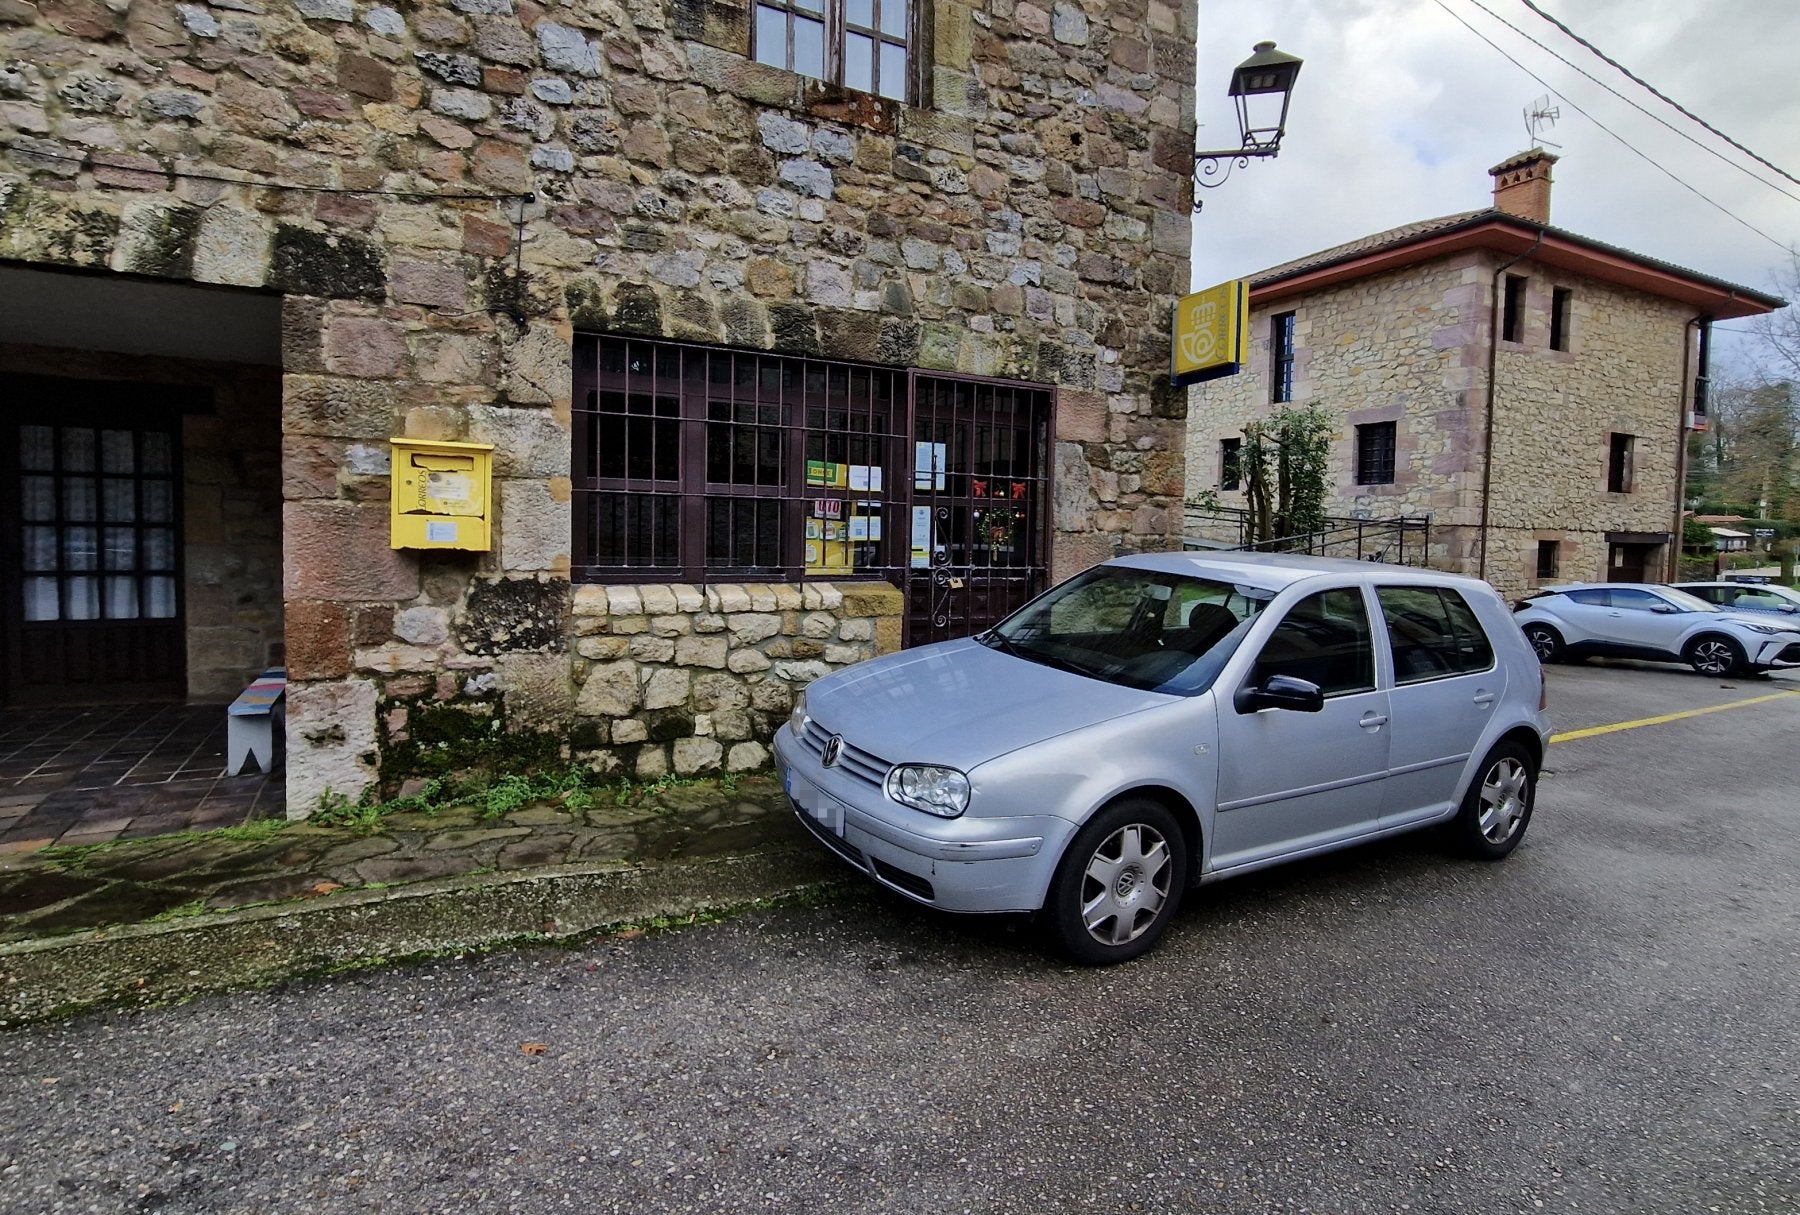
[
  {"x": 1646, "y": 157},
  {"x": 1655, "y": 92},
  {"x": 1707, "y": 148}
]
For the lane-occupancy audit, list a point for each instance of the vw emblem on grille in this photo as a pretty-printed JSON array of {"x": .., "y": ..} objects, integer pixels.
[{"x": 829, "y": 755}]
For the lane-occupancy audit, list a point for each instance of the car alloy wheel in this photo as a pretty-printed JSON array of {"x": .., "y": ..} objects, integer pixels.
[
  {"x": 1544, "y": 642},
  {"x": 1119, "y": 882},
  {"x": 1714, "y": 656},
  {"x": 1497, "y": 807}
]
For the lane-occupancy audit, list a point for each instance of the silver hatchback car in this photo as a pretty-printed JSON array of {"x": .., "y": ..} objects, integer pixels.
[{"x": 1165, "y": 720}]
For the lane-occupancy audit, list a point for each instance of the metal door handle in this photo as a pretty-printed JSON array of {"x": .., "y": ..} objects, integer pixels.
[
  {"x": 1373, "y": 721},
  {"x": 1484, "y": 698}
]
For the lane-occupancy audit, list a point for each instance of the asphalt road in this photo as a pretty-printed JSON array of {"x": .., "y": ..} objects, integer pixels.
[{"x": 1604, "y": 1023}]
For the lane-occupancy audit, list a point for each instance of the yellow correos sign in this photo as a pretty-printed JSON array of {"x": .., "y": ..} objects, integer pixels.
[{"x": 1210, "y": 333}]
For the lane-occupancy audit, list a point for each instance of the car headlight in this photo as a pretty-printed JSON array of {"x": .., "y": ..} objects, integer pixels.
[
  {"x": 797, "y": 719},
  {"x": 1771, "y": 629},
  {"x": 940, "y": 791}
]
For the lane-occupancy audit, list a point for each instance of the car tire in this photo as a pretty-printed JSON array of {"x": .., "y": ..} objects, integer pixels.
[
  {"x": 1496, "y": 809},
  {"x": 1713, "y": 654},
  {"x": 1119, "y": 883},
  {"x": 1545, "y": 641}
]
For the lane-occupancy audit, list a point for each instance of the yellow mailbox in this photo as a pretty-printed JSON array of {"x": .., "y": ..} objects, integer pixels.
[{"x": 443, "y": 494}]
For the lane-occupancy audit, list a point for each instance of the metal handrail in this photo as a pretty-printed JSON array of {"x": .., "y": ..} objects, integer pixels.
[{"x": 1401, "y": 540}]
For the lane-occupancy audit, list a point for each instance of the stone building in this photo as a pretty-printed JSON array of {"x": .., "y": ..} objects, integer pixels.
[
  {"x": 1527, "y": 388},
  {"x": 801, "y": 330}
]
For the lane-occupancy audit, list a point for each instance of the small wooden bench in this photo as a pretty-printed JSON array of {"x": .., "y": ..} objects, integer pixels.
[{"x": 249, "y": 736}]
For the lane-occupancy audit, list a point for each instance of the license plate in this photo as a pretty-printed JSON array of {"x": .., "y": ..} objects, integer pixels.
[{"x": 820, "y": 807}]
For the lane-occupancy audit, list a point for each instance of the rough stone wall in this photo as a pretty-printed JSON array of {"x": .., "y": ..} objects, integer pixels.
[
  {"x": 688, "y": 679},
  {"x": 1029, "y": 220},
  {"x": 231, "y": 505},
  {"x": 1411, "y": 346}
]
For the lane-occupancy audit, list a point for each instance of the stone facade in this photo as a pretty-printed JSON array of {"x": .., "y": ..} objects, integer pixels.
[
  {"x": 1411, "y": 347},
  {"x": 444, "y": 194}
]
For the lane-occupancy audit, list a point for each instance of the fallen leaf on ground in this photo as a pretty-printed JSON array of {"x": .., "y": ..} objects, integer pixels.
[
  {"x": 327, "y": 887},
  {"x": 534, "y": 1048}
]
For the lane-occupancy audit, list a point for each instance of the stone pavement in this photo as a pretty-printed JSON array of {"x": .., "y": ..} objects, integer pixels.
[{"x": 166, "y": 917}]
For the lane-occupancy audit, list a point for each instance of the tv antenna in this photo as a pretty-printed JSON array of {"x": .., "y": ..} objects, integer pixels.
[{"x": 1540, "y": 117}]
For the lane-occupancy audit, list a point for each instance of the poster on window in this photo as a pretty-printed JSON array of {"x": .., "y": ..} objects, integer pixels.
[
  {"x": 865, "y": 477},
  {"x": 929, "y": 465},
  {"x": 921, "y": 537},
  {"x": 827, "y": 473}
]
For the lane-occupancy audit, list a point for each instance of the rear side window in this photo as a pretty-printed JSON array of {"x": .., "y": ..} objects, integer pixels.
[
  {"x": 1325, "y": 640},
  {"x": 1434, "y": 633},
  {"x": 1598, "y": 597}
]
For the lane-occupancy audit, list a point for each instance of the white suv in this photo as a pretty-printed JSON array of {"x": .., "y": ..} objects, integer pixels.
[{"x": 1659, "y": 623}]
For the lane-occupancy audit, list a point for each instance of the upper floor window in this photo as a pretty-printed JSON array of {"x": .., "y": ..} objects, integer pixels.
[
  {"x": 1375, "y": 453},
  {"x": 1561, "y": 300},
  {"x": 1549, "y": 562},
  {"x": 1618, "y": 464},
  {"x": 1512, "y": 319},
  {"x": 1281, "y": 358},
  {"x": 860, "y": 44}
]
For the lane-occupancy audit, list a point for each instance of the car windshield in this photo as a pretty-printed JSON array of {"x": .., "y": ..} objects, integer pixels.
[
  {"x": 1687, "y": 602},
  {"x": 1139, "y": 628}
]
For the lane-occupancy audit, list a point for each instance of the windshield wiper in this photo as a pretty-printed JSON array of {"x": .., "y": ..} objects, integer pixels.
[{"x": 995, "y": 639}]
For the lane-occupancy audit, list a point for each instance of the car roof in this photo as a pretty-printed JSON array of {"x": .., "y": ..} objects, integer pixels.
[{"x": 1278, "y": 571}]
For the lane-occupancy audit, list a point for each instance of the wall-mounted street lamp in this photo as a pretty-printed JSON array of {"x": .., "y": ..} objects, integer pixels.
[{"x": 1261, "y": 86}]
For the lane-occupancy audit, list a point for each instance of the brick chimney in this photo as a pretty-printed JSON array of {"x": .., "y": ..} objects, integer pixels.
[{"x": 1522, "y": 185}]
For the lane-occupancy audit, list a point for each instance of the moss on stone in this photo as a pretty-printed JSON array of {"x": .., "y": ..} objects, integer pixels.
[{"x": 336, "y": 265}]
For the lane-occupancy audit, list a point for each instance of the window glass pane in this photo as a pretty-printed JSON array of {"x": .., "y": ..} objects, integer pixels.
[
  {"x": 809, "y": 47},
  {"x": 1474, "y": 650},
  {"x": 38, "y": 499},
  {"x": 121, "y": 548},
  {"x": 121, "y": 598},
  {"x": 78, "y": 449},
  {"x": 860, "y": 12},
  {"x": 1423, "y": 642},
  {"x": 40, "y": 548},
  {"x": 159, "y": 455},
  {"x": 859, "y": 62},
  {"x": 159, "y": 548},
  {"x": 743, "y": 533},
  {"x": 893, "y": 17},
  {"x": 119, "y": 502},
  {"x": 159, "y": 501},
  {"x": 810, "y": 6},
  {"x": 84, "y": 599},
  {"x": 636, "y": 530},
  {"x": 80, "y": 548},
  {"x": 159, "y": 597},
  {"x": 1325, "y": 640},
  {"x": 78, "y": 499},
  {"x": 117, "y": 453},
  {"x": 37, "y": 448},
  {"x": 40, "y": 599},
  {"x": 893, "y": 71}
]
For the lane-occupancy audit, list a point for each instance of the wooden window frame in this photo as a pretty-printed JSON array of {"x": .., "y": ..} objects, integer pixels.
[
  {"x": 834, "y": 15},
  {"x": 1281, "y": 357},
  {"x": 1377, "y": 451}
]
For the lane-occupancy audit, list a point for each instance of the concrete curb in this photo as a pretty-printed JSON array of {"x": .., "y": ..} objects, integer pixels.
[{"x": 156, "y": 963}]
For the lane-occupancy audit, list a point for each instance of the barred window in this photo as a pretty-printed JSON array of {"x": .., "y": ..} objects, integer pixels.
[
  {"x": 860, "y": 44},
  {"x": 1281, "y": 358},
  {"x": 1375, "y": 453}
]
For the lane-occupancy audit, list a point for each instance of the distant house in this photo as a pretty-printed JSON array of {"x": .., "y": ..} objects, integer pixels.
[
  {"x": 1730, "y": 540},
  {"x": 1526, "y": 387}
]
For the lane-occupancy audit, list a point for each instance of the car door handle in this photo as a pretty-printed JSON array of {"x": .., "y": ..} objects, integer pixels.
[
  {"x": 1484, "y": 699},
  {"x": 1373, "y": 721}
]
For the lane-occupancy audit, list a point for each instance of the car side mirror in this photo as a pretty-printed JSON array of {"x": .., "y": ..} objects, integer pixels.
[
  {"x": 1663, "y": 609},
  {"x": 1280, "y": 692},
  {"x": 1790, "y": 607}
]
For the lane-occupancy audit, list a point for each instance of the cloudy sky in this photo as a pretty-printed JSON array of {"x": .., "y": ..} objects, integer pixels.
[{"x": 1400, "y": 111}]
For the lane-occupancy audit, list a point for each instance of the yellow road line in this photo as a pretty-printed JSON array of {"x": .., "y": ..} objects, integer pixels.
[{"x": 1591, "y": 731}]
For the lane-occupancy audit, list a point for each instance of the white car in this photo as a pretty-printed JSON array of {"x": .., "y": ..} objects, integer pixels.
[
  {"x": 1654, "y": 622},
  {"x": 1165, "y": 720},
  {"x": 1745, "y": 596}
]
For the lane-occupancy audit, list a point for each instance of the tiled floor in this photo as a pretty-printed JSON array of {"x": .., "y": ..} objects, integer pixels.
[{"x": 87, "y": 775}]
